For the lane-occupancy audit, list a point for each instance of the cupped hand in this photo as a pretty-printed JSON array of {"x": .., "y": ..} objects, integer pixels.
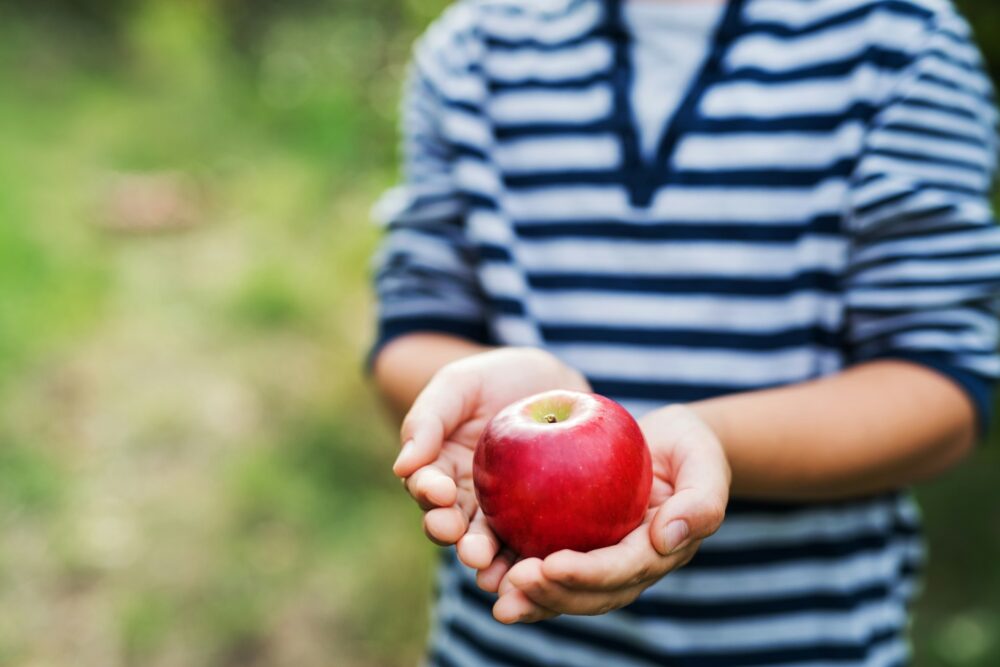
[
  {"x": 691, "y": 479},
  {"x": 440, "y": 433}
]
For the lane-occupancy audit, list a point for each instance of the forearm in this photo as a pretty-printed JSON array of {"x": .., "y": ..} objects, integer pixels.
[
  {"x": 405, "y": 365},
  {"x": 875, "y": 427}
]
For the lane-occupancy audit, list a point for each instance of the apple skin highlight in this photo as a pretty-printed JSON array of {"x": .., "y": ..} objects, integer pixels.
[{"x": 562, "y": 470}]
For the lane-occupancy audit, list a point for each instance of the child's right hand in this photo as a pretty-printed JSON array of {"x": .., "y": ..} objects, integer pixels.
[{"x": 440, "y": 433}]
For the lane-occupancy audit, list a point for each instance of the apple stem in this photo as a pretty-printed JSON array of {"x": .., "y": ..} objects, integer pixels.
[{"x": 550, "y": 419}]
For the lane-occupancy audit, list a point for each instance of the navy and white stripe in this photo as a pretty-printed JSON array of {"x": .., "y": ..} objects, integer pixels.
[{"x": 819, "y": 199}]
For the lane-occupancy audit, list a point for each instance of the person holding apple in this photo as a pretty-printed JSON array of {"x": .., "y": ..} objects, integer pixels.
[{"x": 763, "y": 227}]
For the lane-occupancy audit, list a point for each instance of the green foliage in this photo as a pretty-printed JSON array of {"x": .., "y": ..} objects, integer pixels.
[
  {"x": 957, "y": 622},
  {"x": 984, "y": 15},
  {"x": 145, "y": 623},
  {"x": 268, "y": 300},
  {"x": 29, "y": 479},
  {"x": 47, "y": 290},
  {"x": 187, "y": 451}
]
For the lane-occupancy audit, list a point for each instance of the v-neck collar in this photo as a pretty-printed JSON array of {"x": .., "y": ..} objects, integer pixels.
[{"x": 640, "y": 176}]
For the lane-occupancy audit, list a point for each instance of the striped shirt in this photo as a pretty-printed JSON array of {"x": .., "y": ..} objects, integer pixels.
[{"x": 818, "y": 198}]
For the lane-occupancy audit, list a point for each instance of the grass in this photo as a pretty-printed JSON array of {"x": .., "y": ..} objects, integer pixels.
[{"x": 192, "y": 470}]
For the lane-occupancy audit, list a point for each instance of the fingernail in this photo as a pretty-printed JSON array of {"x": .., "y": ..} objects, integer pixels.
[
  {"x": 675, "y": 535},
  {"x": 403, "y": 453}
]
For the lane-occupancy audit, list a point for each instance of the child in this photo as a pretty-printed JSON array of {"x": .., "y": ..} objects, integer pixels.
[{"x": 763, "y": 227}]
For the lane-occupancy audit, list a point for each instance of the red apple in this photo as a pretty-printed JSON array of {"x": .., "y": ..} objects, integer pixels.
[{"x": 562, "y": 470}]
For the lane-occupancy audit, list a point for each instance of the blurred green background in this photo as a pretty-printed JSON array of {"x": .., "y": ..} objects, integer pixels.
[{"x": 192, "y": 471}]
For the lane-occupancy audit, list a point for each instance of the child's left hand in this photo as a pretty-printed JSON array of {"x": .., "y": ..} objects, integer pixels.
[{"x": 691, "y": 480}]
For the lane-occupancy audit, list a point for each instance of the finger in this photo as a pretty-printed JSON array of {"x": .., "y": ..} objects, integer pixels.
[
  {"x": 479, "y": 546},
  {"x": 448, "y": 400},
  {"x": 630, "y": 562},
  {"x": 432, "y": 486},
  {"x": 505, "y": 586},
  {"x": 465, "y": 501},
  {"x": 529, "y": 578},
  {"x": 410, "y": 458},
  {"x": 445, "y": 525},
  {"x": 524, "y": 571},
  {"x": 698, "y": 505},
  {"x": 489, "y": 579},
  {"x": 516, "y": 607}
]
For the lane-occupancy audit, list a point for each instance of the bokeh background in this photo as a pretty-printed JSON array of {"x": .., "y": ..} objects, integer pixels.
[{"x": 192, "y": 469}]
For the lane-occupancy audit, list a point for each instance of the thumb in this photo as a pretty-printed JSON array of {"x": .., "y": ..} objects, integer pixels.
[
  {"x": 701, "y": 489},
  {"x": 687, "y": 516},
  {"x": 447, "y": 401}
]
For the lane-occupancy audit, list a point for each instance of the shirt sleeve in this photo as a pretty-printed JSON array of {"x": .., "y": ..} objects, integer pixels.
[
  {"x": 424, "y": 270},
  {"x": 924, "y": 263}
]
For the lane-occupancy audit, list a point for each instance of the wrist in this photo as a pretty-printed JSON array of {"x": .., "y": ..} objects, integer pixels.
[{"x": 714, "y": 417}]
